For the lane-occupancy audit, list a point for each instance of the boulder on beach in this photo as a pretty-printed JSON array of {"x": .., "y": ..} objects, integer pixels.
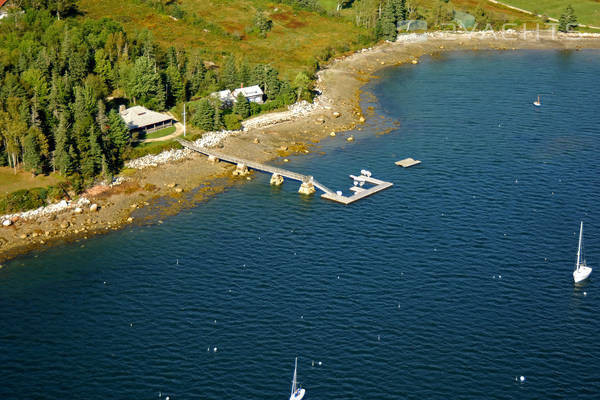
[
  {"x": 7, "y": 222},
  {"x": 94, "y": 207},
  {"x": 78, "y": 210}
]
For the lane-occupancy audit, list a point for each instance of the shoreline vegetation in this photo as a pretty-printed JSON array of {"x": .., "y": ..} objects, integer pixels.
[{"x": 147, "y": 195}]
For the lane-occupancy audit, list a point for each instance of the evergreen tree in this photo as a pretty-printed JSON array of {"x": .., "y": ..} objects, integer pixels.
[
  {"x": 31, "y": 153},
  {"x": 399, "y": 10},
  {"x": 146, "y": 85},
  {"x": 205, "y": 116},
  {"x": 195, "y": 74},
  {"x": 115, "y": 142},
  {"x": 101, "y": 118},
  {"x": 567, "y": 20},
  {"x": 241, "y": 106},
  {"x": 103, "y": 67},
  {"x": 63, "y": 158},
  {"x": 218, "y": 118},
  {"x": 92, "y": 160},
  {"x": 388, "y": 22},
  {"x": 175, "y": 86},
  {"x": 245, "y": 74},
  {"x": 229, "y": 75}
]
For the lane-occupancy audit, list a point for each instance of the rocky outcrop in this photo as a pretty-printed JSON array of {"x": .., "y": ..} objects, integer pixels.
[
  {"x": 307, "y": 188},
  {"x": 276, "y": 180}
]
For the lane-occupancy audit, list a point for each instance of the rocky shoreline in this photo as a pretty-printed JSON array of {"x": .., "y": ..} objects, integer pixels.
[{"x": 186, "y": 178}]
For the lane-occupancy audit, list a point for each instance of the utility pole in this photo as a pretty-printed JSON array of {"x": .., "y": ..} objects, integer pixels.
[{"x": 183, "y": 119}]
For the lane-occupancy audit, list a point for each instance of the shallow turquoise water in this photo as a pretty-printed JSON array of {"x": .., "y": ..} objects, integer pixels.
[{"x": 397, "y": 296}]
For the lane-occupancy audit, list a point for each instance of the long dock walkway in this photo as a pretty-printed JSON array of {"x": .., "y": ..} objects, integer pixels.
[{"x": 329, "y": 194}]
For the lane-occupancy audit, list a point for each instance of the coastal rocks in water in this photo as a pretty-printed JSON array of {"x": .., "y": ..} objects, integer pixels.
[
  {"x": 361, "y": 119},
  {"x": 241, "y": 170},
  {"x": 350, "y": 139},
  {"x": 7, "y": 222},
  {"x": 94, "y": 207},
  {"x": 130, "y": 219},
  {"x": 307, "y": 188},
  {"x": 415, "y": 61},
  {"x": 276, "y": 180},
  {"x": 332, "y": 134}
]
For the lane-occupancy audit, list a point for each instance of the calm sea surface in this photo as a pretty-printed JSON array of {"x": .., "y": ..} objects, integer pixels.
[{"x": 446, "y": 286}]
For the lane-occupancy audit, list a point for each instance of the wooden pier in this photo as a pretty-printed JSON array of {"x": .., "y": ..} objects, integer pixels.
[{"x": 308, "y": 182}]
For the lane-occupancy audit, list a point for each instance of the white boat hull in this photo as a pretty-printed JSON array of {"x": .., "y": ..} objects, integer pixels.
[
  {"x": 581, "y": 273},
  {"x": 298, "y": 394}
]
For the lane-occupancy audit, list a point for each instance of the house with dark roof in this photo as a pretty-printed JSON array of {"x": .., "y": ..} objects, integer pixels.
[{"x": 140, "y": 119}]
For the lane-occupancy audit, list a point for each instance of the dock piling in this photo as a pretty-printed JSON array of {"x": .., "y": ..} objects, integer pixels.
[{"x": 276, "y": 180}]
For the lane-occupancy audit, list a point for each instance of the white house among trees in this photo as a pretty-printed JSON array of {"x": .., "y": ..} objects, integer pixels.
[{"x": 253, "y": 94}]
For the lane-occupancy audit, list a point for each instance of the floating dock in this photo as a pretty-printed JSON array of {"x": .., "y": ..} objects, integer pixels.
[
  {"x": 308, "y": 182},
  {"x": 359, "y": 191},
  {"x": 407, "y": 162}
]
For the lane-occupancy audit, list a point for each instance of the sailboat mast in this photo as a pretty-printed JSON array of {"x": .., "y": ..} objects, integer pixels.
[
  {"x": 579, "y": 247},
  {"x": 294, "y": 380}
]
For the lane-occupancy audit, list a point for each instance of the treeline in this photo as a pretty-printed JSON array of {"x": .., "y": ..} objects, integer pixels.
[{"x": 62, "y": 80}]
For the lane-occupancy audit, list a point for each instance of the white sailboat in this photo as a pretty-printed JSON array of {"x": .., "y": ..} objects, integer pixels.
[
  {"x": 537, "y": 103},
  {"x": 296, "y": 393},
  {"x": 582, "y": 271}
]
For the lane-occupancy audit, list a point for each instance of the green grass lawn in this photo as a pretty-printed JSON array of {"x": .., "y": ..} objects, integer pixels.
[
  {"x": 9, "y": 182},
  {"x": 161, "y": 133},
  {"x": 587, "y": 11}
]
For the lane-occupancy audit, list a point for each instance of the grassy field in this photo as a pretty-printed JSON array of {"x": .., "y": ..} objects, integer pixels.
[
  {"x": 587, "y": 11},
  {"x": 296, "y": 38},
  {"x": 9, "y": 182}
]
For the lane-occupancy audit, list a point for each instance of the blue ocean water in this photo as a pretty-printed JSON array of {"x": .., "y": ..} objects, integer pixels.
[{"x": 448, "y": 285}]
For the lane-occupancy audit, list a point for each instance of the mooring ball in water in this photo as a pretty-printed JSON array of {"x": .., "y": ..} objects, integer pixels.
[{"x": 522, "y": 378}]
